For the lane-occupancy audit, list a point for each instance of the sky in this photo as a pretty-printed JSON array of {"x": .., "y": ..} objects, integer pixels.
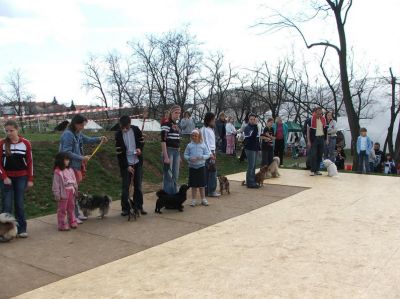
[{"x": 50, "y": 40}]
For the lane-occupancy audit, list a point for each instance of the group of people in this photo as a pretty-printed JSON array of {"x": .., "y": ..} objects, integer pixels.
[{"x": 16, "y": 167}]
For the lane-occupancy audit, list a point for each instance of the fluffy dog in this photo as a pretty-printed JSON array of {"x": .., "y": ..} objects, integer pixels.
[
  {"x": 223, "y": 184},
  {"x": 8, "y": 227},
  {"x": 171, "y": 201},
  {"x": 260, "y": 175},
  {"x": 89, "y": 203},
  {"x": 330, "y": 167},
  {"x": 273, "y": 168}
]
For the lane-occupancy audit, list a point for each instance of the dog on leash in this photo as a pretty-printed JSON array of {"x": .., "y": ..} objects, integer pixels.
[
  {"x": 8, "y": 227},
  {"x": 223, "y": 184},
  {"x": 261, "y": 174},
  {"x": 171, "y": 201},
  {"x": 88, "y": 203},
  {"x": 330, "y": 167},
  {"x": 273, "y": 168}
]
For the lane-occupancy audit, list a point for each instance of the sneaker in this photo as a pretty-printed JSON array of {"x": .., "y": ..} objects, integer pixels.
[
  {"x": 74, "y": 226},
  {"x": 214, "y": 194},
  {"x": 78, "y": 221},
  {"x": 204, "y": 202},
  {"x": 318, "y": 173},
  {"x": 83, "y": 218},
  {"x": 23, "y": 235},
  {"x": 143, "y": 212},
  {"x": 124, "y": 213},
  {"x": 63, "y": 229},
  {"x": 312, "y": 173},
  {"x": 193, "y": 203}
]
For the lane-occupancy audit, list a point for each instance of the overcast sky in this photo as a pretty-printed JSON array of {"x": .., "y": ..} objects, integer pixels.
[{"x": 49, "y": 40}]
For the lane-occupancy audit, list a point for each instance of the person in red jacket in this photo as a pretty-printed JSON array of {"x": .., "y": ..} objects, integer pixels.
[{"x": 16, "y": 173}]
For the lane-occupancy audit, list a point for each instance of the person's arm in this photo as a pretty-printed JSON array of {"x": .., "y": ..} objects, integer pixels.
[
  {"x": 29, "y": 162},
  {"x": 90, "y": 140},
  {"x": 56, "y": 188},
  {"x": 206, "y": 153},
  {"x": 186, "y": 154},
  {"x": 308, "y": 136},
  {"x": 67, "y": 146},
  {"x": 3, "y": 173}
]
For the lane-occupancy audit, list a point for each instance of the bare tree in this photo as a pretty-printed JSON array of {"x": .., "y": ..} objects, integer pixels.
[
  {"x": 95, "y": 79},
  {"x": 394, "y": 112},
  {"x": 219, "y": 81},
  {"x": 15, "y": 93},
  {"x": 339, "y": 11}
]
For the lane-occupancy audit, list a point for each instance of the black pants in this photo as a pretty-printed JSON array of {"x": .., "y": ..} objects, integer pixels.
[
  {"x": 267, "y": 154},
  {"x": 279, "y": 149},
  {"x": 317, "y": 150},
  {"x": 137, "y": 190},
  {"x": 243, "y": 155}
]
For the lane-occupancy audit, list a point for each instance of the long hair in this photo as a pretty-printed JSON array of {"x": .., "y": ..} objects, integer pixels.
[
  {"x": 208, "y": 118},
  {"x": 7, "y": 141},
  {"x": 77, "y": 120},
  {"x": 59, "y": 160}
]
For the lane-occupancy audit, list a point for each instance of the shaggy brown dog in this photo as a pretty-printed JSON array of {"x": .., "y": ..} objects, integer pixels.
[
  {"x": 8, "y": 227},
  {"x": 260, "y": 175},
  {"x": 273, "y": 168},
  {"x": 223, "y": 184}
]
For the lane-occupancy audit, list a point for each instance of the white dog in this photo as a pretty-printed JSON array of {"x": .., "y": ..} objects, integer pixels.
[{"x": 331, "y": 168}]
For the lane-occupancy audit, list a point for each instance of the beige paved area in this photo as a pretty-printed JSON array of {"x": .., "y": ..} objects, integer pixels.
[
  {"x": 339, "y": 239},
  {"x": 48, "y": 255}
]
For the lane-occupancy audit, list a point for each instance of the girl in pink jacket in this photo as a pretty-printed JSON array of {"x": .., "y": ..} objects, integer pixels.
[{"x": 64, "y": 189}]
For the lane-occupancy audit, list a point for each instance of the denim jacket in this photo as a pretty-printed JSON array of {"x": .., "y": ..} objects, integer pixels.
[
  {"x": 194, "y": 150},
  {"x": 72, "y": 144}
]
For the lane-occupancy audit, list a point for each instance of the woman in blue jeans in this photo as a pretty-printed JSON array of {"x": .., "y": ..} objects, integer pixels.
[
  {"x": 330, "y": 146},
  {"x": 170, "y": 143},
  {"x": 16, "y": 171}
]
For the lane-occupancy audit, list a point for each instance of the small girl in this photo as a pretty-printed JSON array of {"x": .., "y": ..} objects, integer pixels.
[
  {"x": 196, "y": 154},
  {"x": 230, "y": 136},
  {"x": 64, "y": 189}
]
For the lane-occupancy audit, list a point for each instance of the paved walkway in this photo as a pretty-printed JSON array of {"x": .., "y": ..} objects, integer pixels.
[
  {"x": 48, "y": 255},
  {"x": 339, "y": 239}
]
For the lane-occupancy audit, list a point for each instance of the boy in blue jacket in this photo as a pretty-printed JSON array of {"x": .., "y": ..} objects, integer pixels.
[{"x": 364, "y": 147}]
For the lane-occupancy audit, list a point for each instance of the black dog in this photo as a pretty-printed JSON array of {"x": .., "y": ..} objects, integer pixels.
[
  {"x": 173, "y": 202},
  {"x": 89, "y": 203},
  {"x": 133, "y": 211}
]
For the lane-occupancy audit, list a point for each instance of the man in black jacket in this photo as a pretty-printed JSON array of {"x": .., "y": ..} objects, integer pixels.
[
  {"x": 129, "y": 143},
  {"x": 252, "y": 146}
]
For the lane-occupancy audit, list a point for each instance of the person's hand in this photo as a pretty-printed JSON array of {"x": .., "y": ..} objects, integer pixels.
[
  {"x": 213, "y": 157},
  {"x": 30, "y": 184},
  {"x": 166, "y": 160},
  {"x": 138, "y": 152},
  {"x": 194, "y": 159},
  {"x": 104, "y": 139},
  {"x": 131, "y": 169},
  {"x": 86, "y": 158},
  {"x": 7, "y": 181}
]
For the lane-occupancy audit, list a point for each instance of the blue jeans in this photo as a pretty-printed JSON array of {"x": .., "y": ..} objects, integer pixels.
[
  {"x": 17, "y": 191},
  {"x": 330, "y": 149},
  {"x": 171, "y": 171},
  {"x": 251, "y": 167},
  {"x": 211, "y": 180},
  {"x": 363, "y": 159}
]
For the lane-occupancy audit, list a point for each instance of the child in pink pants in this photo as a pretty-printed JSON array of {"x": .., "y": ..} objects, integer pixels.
[{"x": 64, "y": 189}]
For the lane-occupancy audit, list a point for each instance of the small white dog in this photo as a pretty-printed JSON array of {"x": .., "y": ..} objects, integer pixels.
[{"x": 331, "y": 168}]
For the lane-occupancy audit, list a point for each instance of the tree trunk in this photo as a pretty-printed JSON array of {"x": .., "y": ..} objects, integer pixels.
[{"x": 352, "y": 117}]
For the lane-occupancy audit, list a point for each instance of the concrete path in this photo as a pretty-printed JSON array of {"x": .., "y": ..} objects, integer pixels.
[
  {"x": 338, "y": 239},
  {"x": 48, "y": 255}
]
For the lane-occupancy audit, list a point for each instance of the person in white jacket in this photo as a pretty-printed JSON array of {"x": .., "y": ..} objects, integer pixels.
[{"x": 230, "y": 136}]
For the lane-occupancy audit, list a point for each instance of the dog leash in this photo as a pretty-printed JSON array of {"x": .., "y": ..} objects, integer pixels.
[{"x": 96, "y": 149}]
